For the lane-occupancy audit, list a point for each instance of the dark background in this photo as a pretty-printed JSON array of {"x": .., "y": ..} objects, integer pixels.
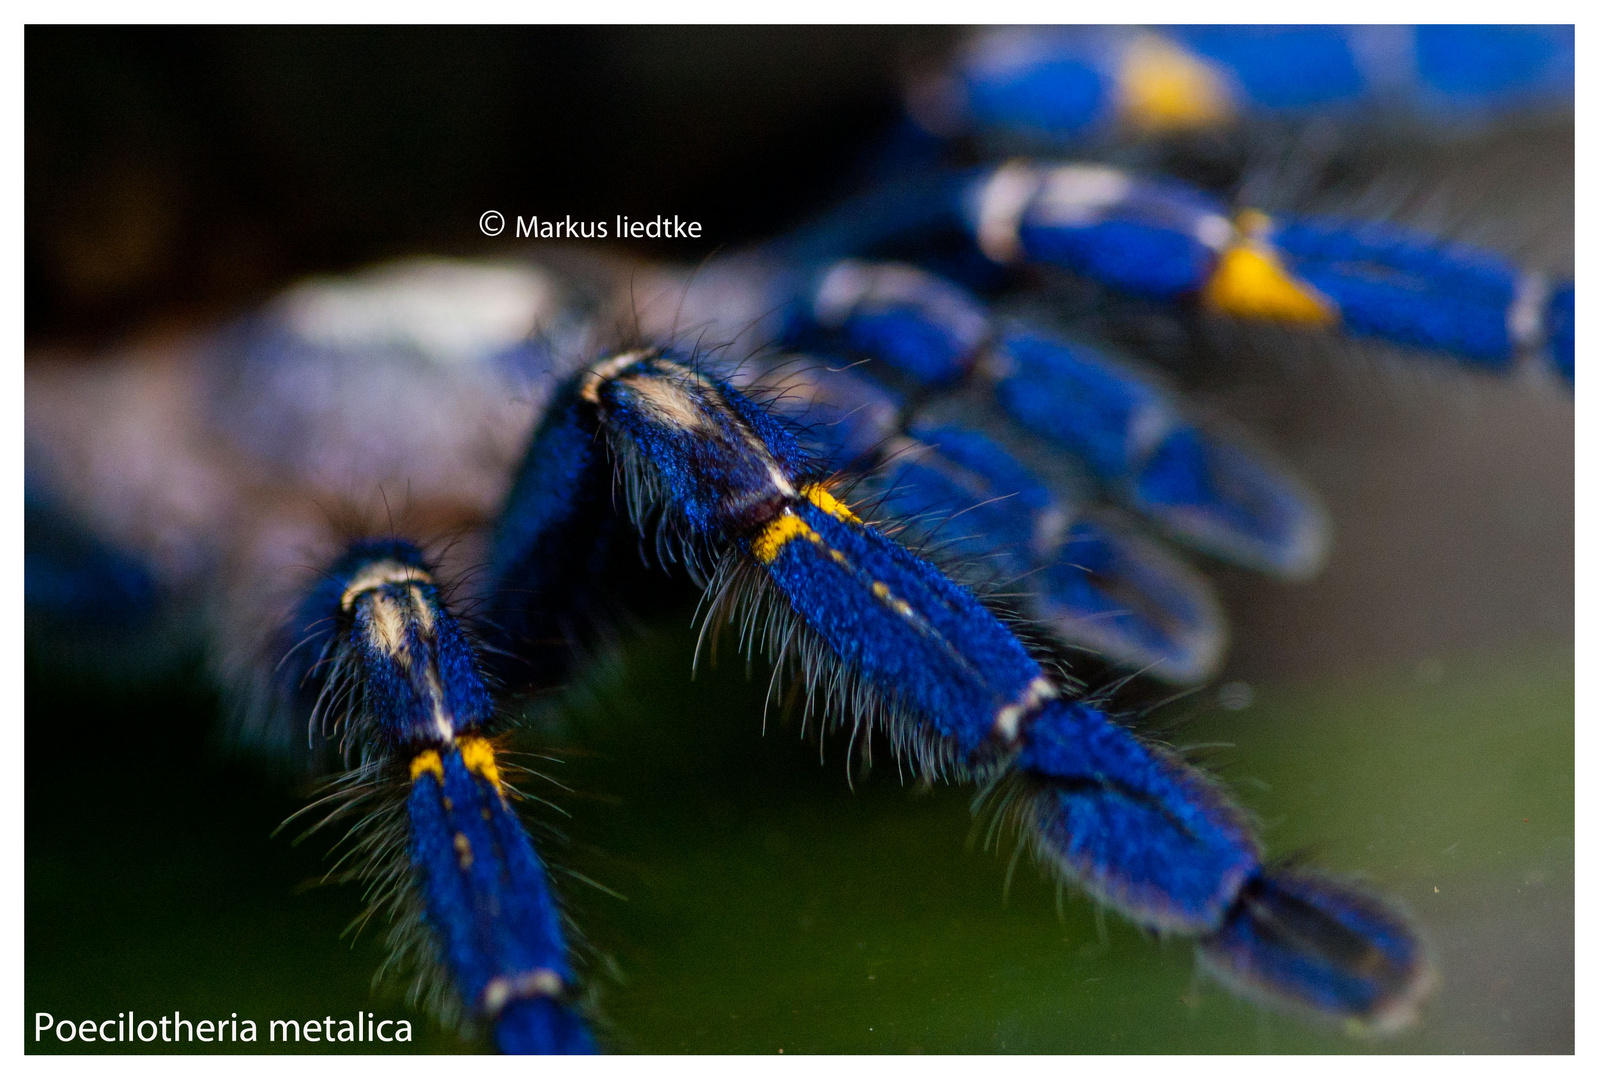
[
  {"x": 1412, "y": 711},
  {"x": 178, "y": 171}
]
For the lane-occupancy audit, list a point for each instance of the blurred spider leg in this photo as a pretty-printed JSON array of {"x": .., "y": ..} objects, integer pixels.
[
  {"x": 417, "y": 716},
  {"x": 1202, "y": 488},
  {"x": 1135, "y": 826},
  {"x": 1174, "y": 243},
  {"x": 554, "y": 551},
  {"x": 1090, "y": 582},
  {"x": 1066, "y": 86},
  {"x": 1167, "y": 241}
]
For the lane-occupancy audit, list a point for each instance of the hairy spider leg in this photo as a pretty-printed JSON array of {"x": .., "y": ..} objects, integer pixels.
[
  {"x": 1204, "y": 490},
  {"x": 1168, "y": 241},
  {"x": 1135, "y": 826},
  {"x": 383, "y": 646},
  {"x": 554, "y": 559},
  {"x": 1064, "y": 86},
  {"x": 1171, "y": 242},
  {"x": 1092, "y": 583},
  {"x": 929, "y": 330},
  {"x": 1210, "y": 493}
]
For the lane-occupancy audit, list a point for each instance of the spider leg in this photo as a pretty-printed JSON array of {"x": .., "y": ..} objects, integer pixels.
[
  {"x": 1104, "y": 588},
  {"x": 1091, "y": 581},
  {"x": 1129, "y": 433},
  {"x": 1067, "y": 86},
  {"x": 1166, "y": 241},
  {"x": 418, "y": 712},
  {"x": 552, "y": 552},
  {"x": 1132, "y": 824},
  {"x": 1200, "y": 487}
]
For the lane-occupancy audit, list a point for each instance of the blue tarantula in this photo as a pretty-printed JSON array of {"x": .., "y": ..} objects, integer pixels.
[{"x": 909, "y": 450}]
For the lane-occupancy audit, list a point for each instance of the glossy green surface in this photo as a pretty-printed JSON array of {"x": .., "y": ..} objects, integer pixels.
[{"x": 768, "y": 907}]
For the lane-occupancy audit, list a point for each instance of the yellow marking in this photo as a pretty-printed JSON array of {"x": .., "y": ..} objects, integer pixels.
[
  {"x": 463, "y": 851},
  {"x": 1162, "y": 87},
  {"x": 477, "y": 754},
  {"x": 1250, "y": 281},
  {"x": 376, "y": 575},
  {"x": 787, "y": 526},
  {"x": 427, "y": 761},
  {"x": 901, "y": 608},
  {"x": 824, "y": 501}
]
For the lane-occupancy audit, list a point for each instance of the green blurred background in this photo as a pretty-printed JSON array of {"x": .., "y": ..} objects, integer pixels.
[
  {"x": 1409, "y": 713},
  {"x": 767, "y": 906}
]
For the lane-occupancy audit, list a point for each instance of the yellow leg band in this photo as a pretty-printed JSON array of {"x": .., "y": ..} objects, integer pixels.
[
  {"x": 1250, "y": 282},
  {"x": 428, "y": 761},
  {"x": 823, "y": 500},
  {"x": 477, "y": 754},
  {"x": 1161, "y": 87},
  {"x": 788, "y": 526}
]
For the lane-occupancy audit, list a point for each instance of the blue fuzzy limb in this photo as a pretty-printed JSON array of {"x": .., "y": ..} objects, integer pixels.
[
  {"x": 1092, "y": 585},
  {"x": 1462, "y": 72},
  {"x": 1136, "y": 827},
  {"x": 386, "y": 648},
  {"x": 1151, "y": 238},
  {"x": 919, "y": 324},
  {"x": 1487, "y": 68},
  {"x": 1133, "y": 825},
  {"x": 490, "y": 907},
  {"x": 1204, "y": 491},
  {"x": 541, "y": 1026},
  {"x": 1405, "y": 286},
  {"x": 1071, "y": 395},
  {"x": 1283, "y": 68},
  {"x": 1299, "y": 936},
  {"x": 1141, "y": 256},
  {"x": 714, "y": 452},
  {"x": 1137, "y": 605},
  {"x": 552, "y": 547},
  {"x": 987, "y": 504},
  {"x": 1060, "y": 87},
  {"x": 844, "y": 417},
  {"x": 409, "y": 659},
  {"x": 910, "y": 342},
  {"x": 921, "y": 640},
  {"x": 1058, "y": 97},
  {"x": 1074, "y": 585}
]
